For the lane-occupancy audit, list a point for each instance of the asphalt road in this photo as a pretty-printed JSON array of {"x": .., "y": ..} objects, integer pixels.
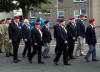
[{"x": 78, "y": 65}]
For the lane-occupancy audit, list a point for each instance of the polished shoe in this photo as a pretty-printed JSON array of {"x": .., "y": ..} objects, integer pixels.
[
  {"x": 87, "y": 59},
  {"x": 95, "y": 60},
  {"x": 46, "y": 56},
  {"x": 72, "y": 58},
  {"x": 41, "y": 62},
  {"x": 56, "y": 63},
  {"x": 10, "y": 54},
  {"x": 67, "y": 64},
  {"x": 30, "y": 62},
  {"x": 23, "y": 56},
  {"x": 16, "y": 61},
  {"x": 1, "y": 51},
  {"x": 7, "y": 55}
]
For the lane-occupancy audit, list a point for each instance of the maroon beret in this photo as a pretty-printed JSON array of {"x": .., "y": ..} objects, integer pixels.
[
  {"x": 16, "y": 17},
  {"x": 58, "y": 19},
  {"x": 91, "y": 20},
  {"x": 72, "y": 18},
  {"x": 82, "y": 15},
  {"x": 37, "y": 23}
]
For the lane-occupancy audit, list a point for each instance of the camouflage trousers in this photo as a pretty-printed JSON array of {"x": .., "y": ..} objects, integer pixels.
[{"x": 5, "y": 44}]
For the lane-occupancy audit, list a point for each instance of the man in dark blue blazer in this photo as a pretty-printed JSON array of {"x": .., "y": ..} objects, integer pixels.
[
  {"x": 26, "y": 33},
  {"x": 55, "y": 29},
  {"x": 91, "y": 40},
  {"x": 71, "y": 28},
  {"x": 62, "y": 41},
  {"x": 80, "y": 36},
  {"x": 15, "y": 35}
]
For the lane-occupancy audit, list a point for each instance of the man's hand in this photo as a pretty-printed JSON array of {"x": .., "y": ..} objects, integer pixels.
[
  {"x": 74, "y": 38},
  {"x": 25, "y": 40},
  {"x": 10, "y": 41},
  {"x": 65, "y": 42},
  {"x": 54, "y": 38},
  {"x": 35, "y": 44}
]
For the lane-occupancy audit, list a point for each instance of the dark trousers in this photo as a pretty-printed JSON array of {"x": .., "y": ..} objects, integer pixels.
[
  {"x": 61, "y": 49},
  {"x": 35, "y": 50},
  {"x": 71, "y": 44},
  {"x": 15, "y": 49},
  {"x": 27, "y": 48},
  {"x": 56, "y": 48}
]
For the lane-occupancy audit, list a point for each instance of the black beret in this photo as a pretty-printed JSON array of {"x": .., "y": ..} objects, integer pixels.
[
  {"x": 46, "y": 21},
  {"x": 61, "y": 20},
  {"x": 8, "y": 19}
]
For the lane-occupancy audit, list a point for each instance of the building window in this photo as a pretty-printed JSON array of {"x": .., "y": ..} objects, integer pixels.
[
  {"x": 80, "y": 11},
  {"x": 60, "y": 13},
  {"x": 80, "y": 0},
  {"x": 46, "y": 13},
  {"x": 32, "y": 14}
]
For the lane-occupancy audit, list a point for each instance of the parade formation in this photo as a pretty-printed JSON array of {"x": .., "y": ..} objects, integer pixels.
[{"x": 36, "y": 35}]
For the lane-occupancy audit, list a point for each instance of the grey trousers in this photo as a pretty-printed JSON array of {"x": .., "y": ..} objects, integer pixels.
[
  {"x": 92, "y": 50},
  {"x": 46, "y": 49}
]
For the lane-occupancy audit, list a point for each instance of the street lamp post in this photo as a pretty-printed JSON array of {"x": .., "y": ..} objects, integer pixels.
[{"x": 57, "y": 8}]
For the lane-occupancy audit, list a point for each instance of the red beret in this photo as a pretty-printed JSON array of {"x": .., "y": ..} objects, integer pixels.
[
  {"x": 16, "y": 17},
  {"x": 82, "y": 15},
  {"x": 72, "y": 18},
  {"x": 37, "y": 23},
  {"x": 58, "y": 19},
  {"x": 91, "y": 20}
]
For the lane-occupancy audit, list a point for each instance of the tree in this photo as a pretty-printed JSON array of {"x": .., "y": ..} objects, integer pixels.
[{"x": 25, "y": 5}]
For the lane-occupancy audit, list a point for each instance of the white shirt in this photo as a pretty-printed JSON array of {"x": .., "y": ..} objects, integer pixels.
[
  {"x": 39, "y": 31},
  {"x": 64, "y": 28}
]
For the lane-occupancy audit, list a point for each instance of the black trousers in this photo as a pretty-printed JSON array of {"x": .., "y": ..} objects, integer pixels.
[
  {"x": 15, "y": 49},
  {"x": 61, "y": 49},
  {"x": 27, "y": 48},
  {"x": 71, "y": 44},
  {"x": 56, "y": 48},
  {"x": 36, "y": 49}
]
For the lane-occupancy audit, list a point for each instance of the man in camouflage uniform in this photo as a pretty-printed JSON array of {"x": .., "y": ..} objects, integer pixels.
[
  {"x": 7, "y": 45},
  {"x": 1, "y": 34}
]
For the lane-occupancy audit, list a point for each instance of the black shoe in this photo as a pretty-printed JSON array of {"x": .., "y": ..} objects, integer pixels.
[
  {"x": 16, "y": 61},
  {"x": 72, "y": 58},
  {"x": 10, "y": 54},
  {"x": 30, "y": 62},
  {"x": 56, "y": 63},
  {"x": 67, "y": 64},
  {"x": 23, "y": 56},
  {"x": 46, "y": 56},
  {"x": 41, "y": 62},
  {"x": 7, "y": 55},
  {"x": 1, "y": 51}
]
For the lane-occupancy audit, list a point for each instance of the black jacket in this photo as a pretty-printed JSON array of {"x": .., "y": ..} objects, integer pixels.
[
  {"x": 46, "y": 35},
  {"x": 72, "y": 31},
  {"x": 14, "y": 31},
  {"x": 61, "y": 35},
  {"x": 90, "y": 35},
  {"x": 36, "y": 37},
  {"x": 80, "y": 28},
  {"x": 26, "y": 32}
]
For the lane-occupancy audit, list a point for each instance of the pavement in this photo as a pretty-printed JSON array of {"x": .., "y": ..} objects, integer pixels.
[{"x": 78, "y": 65}]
